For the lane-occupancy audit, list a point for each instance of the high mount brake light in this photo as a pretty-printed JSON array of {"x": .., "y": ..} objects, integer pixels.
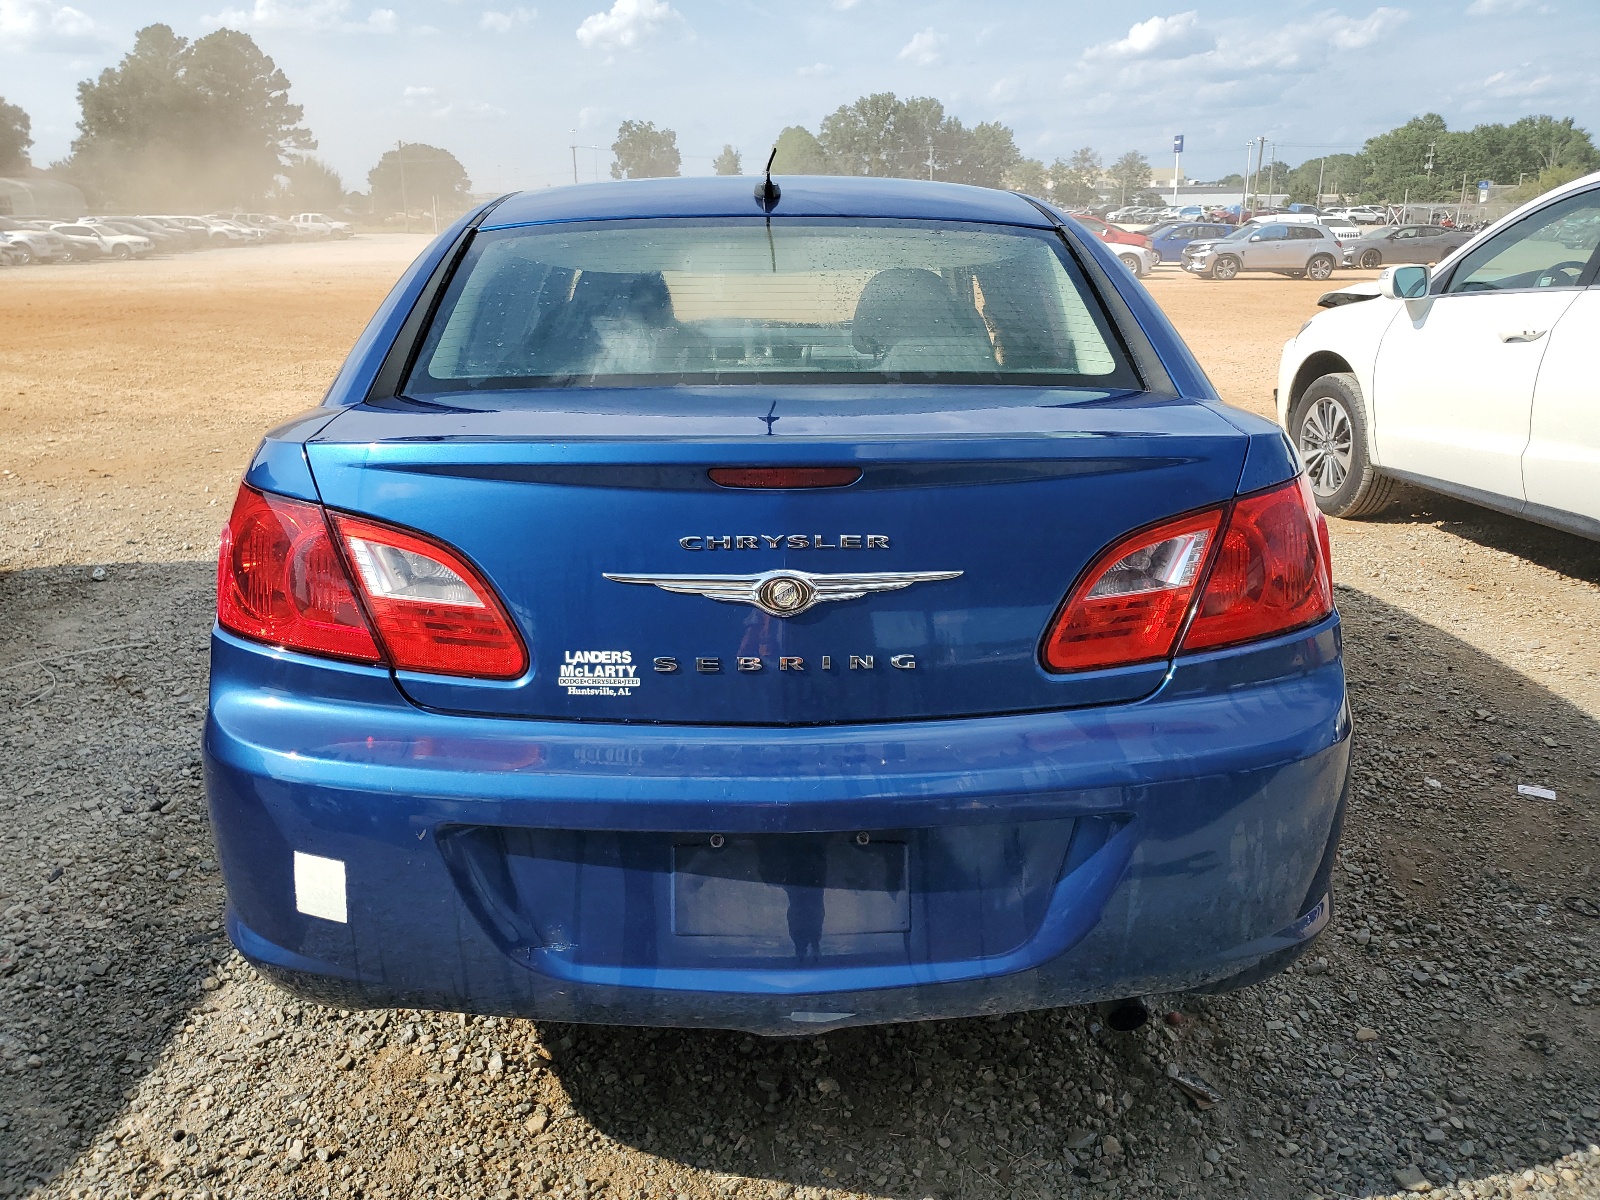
[
  {"x": 1266, "y": 572},
  {"x": 433, "y": 612},
  {"x": 1273, "y": 571},
  {"x": 412, "y": 602},
  {"x": 784, "y": 477},
  {"x": 1131, "y": 604},
  {"x": 280, "y": 580}
]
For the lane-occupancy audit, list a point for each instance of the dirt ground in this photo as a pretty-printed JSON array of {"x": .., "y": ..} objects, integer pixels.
[{"x": 1445, "y": 1036}]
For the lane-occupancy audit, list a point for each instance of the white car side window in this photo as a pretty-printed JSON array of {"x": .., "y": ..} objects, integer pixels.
[{"x": 1548, "y": 248}]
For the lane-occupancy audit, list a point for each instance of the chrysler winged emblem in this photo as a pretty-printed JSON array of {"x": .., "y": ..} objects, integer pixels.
[{"x": 786, "y": 593}]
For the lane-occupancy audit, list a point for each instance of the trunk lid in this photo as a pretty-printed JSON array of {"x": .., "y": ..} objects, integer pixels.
[{"x": 1017, "y": 489}]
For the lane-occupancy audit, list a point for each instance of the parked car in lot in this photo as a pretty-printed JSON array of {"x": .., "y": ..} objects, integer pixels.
[
  {"x": 1402, "y": 244},
  {"x": 1294, "y": 250},
  {"x": 33, "y": 244},
  {"x": 1343, "y": 228},
  {"x": 1475, "y": 379},
  {"x": 322, "y": 225},
  {"x": 13, "y": 256},
  {"x": 88, "y": 242},
  {"x": 911, "y": 633},
  {"x": 1109, "y": 233},
  {"x": 1141, "y": 260},
  {"x": 1169, "y": 240}
]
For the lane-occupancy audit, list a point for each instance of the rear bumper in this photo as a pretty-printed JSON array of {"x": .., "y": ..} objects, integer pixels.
[{"x": 525, "y": 867}]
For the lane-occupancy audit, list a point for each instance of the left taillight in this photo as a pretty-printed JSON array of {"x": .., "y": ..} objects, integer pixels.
[
  {"x": 410, "y": 602},
  {"x": 280, "y": 579}
]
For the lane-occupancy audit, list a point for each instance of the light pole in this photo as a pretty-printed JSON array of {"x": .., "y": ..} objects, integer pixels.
[
  {"x": 1177, "y": 165},
  {"x": 405, "y": 207}
]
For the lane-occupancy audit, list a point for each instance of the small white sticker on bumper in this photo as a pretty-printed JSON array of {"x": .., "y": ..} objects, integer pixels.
[{"x": 319, "y": 887}]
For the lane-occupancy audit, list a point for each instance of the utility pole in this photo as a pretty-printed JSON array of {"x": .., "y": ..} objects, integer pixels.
[
  {"x": 574, "y": 149},
  {"x": 1244, "y": 190},
  {"x": 405, "y": 205},
  {"x": 1321, "y": 167}
]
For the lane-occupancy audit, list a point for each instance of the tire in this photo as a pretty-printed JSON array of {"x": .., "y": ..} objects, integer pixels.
[
  {"x": 1131, "y": 261},
  {"x": 1321, "y": 267},
  {"x": 1226, "y": 267},
  {"x": 121, "y": 251},
  {"x": 1371, "y": 260},
  {"x": 1328, "y": 426},
  {"x": 25, "y": 251}
]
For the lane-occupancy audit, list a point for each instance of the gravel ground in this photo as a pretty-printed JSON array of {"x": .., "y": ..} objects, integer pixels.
[{"x": 1442, "y": 1036}]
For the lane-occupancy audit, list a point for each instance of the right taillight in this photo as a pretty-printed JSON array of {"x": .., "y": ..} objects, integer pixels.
[
  {"x": 1260, "y": 567},
  {"x": 1272, "y": 573}
]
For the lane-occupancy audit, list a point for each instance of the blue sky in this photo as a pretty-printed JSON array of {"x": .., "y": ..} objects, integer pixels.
[{"x": 507, "y": 87}]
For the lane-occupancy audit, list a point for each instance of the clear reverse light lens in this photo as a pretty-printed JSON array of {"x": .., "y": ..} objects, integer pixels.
[
  {"x": 395, "y": 574},
  {"x": 1173, "y": 563}
]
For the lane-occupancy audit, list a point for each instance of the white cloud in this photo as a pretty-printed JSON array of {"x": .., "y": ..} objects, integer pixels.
[
  {"x": 43, "y": 25},
  {"x": 815, "y": 69},
  {"x": 504, "y": 22},
  {"x": 1178, "y": 59},
  {"x": 315, "y": 16},
  {"x": 1521, "y": 83},
  {"x": 626, "y": 23},
  {"x": 924, "y": 48},
  {"x": 844, "y": 5},
  {"x": 1497, "y": 8},
  {"x": 429, "y": 100},
  {"x": 1177, "y": 36}
]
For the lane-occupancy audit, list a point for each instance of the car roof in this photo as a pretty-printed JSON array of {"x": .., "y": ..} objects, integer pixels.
[{"x": 734, "y": 195}]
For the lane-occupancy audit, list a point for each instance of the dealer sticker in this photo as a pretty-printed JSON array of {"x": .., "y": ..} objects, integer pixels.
[{"x": 599, "y": 673}]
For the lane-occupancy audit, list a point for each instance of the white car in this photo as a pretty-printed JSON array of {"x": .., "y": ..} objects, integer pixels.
[
  {"x": 1342, "y": 228},
  {"x": 1141, "y": 260},
  {"x": 92, "y": 242},
  {"x": 1474, "y": 378},
  {"x": 326, "y": 226},
  {"x": 33, "y": 245}
]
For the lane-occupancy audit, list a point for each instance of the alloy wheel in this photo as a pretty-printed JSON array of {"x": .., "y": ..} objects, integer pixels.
[
  {"x": 1325, "y": 444},
  {"x": 1371, "y": 260}
]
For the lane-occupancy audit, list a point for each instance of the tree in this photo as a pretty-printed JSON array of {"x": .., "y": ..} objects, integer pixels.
[
  {"x": 1077, "y": 180},
  {"x": 799, "y": 153},
  {"x": 1028, "y": 176},
  {"x": 882, "y": 135},
  {"x": 413, "y": 175},
  {"x": 311, "y": 185},
  {"x": 187, "y": 124},
  {"x": 729, "y": 162},
  {"x": 16, "y": 135},
  {"x": 1129, "y": 173},
  {"x": 1335, "y": 174},
  {"x": 644, "y": 152},
  {"x": 1550, "y": 177}
]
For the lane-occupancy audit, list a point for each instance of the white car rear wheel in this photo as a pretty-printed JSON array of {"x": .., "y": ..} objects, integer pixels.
[{"x": 1131, "y": 261}]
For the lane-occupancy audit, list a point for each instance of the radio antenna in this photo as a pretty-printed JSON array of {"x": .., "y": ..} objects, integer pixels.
[{"x": 767, "y": 192}]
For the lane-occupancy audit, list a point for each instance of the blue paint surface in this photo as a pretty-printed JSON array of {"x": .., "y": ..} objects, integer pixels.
[{"x": 897, "y": 814}]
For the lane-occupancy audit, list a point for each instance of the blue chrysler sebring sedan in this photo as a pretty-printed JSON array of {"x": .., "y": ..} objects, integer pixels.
[{"x": 840, "y": 603}]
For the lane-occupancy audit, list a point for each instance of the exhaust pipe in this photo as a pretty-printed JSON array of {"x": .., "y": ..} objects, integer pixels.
[{"x": 1124, "y": 1016}]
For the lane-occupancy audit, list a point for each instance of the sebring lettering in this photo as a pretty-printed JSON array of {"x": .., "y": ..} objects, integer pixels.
[
  {"x": 749, "y": 664},
  {"x": 785, "y": 541}
]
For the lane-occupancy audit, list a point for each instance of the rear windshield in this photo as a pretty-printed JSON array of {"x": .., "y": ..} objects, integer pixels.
[{"x": 737, "y": 300}]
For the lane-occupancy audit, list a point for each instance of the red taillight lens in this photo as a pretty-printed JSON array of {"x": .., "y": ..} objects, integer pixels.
[
  {"x": 1272, "y": 572},
  {"x": 1269, "y": 573},
  {"x": 433, "y": 612},
  {"x": 280, "y": 580},
  {"x": 784, "y": 477},
  {"x": 1131, "y": 604}
]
